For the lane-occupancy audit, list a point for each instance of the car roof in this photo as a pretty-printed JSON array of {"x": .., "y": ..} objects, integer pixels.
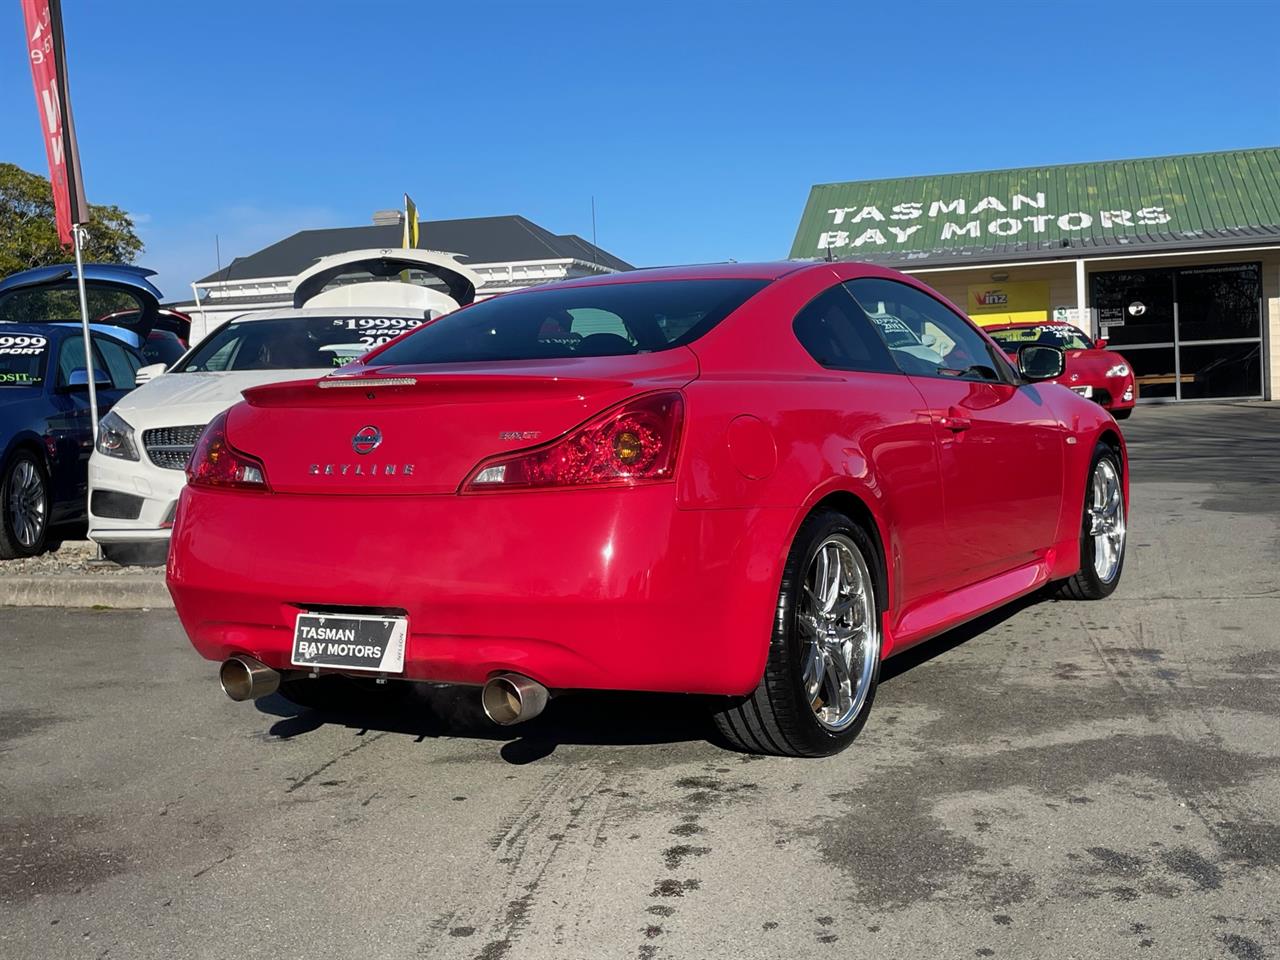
[
  {"x": 301, "y": 313},
  {"x": 43, "y": 329},
  {"x": 698, "y": 271},
  {"x": 58, "y": 329}
]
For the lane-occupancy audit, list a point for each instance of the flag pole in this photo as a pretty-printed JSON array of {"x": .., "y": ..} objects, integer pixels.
[{"x": 78, "y": 233}]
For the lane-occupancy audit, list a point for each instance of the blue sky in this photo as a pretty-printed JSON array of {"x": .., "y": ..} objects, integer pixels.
[{"x": 698, "y": 126}]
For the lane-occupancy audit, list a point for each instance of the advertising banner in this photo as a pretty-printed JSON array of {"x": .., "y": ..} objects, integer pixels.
[
  {"x": 1023, "y": 301},
  {"x": 47, "y": 55}
]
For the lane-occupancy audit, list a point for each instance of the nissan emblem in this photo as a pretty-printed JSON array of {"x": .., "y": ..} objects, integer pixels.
[{"x": 366, "y": 440}]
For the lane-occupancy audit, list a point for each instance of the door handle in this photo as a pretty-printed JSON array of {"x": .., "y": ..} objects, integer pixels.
[{"x": 954, "y": 420}]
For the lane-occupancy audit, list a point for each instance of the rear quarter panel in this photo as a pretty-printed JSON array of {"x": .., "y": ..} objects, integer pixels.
[{"x": 768, "y": 427}]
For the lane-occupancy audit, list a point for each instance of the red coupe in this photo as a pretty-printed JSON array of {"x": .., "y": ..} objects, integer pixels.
[
  {"x": 1092, "y": 371},
  {"x": 745, "y": 481}
]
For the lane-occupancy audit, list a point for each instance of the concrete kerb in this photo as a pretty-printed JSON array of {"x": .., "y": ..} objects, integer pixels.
[{"x": 62, "y": 590}]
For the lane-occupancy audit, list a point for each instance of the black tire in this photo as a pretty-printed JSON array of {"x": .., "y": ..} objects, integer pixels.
[
  {"x": 1086, "y": 584},
  {"x": 23, "y": 476},
  {"x": 777, "y": 717},
  {"x": 1124, "y": 414}
]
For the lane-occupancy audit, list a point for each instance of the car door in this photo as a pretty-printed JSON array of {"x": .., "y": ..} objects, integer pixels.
[
  {"x": 68, "y": 429},
  {"x": 874, "y": 410},
  {"x": 999, "y": 444}
]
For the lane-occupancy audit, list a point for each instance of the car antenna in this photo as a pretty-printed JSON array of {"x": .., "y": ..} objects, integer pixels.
[{"x": 830, "y": 258}]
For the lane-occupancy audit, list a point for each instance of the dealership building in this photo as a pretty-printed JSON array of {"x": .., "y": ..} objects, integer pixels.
[{"x": 1174, "y": 260}]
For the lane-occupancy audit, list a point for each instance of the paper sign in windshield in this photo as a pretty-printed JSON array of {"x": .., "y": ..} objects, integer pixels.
[{"x": 22, "y": 359}]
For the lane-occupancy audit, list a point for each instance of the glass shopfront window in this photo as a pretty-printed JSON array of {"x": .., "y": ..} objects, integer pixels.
[{"x": 1190, "y": 332}]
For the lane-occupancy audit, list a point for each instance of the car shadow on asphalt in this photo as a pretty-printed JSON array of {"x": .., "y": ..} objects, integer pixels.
[{"x": 431, "y": 712}]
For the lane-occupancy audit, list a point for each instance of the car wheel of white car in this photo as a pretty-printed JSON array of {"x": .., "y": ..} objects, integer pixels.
[{"x": 24, "y": 507}]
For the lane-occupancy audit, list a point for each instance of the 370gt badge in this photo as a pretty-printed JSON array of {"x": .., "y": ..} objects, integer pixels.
[{"x": 366, "y": 440}]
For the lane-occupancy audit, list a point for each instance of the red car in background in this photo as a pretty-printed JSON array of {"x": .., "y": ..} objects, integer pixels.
[
  {"x": 753, "y": 482},
  {"x": 1092, "y": 371}
]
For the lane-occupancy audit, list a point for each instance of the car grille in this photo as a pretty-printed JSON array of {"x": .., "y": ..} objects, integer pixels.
[{"x": 170, "y": 447}]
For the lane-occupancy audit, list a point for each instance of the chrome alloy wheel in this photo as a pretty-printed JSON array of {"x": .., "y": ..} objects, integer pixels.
[
  {"x": 27, "y": 504},
  {"x": 839, "y": 632},
  {"x": 1106, "y": 521}
]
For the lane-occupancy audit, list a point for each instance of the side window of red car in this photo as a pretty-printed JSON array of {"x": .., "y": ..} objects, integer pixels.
[
  {"x": 837, "y": 335},
  {"x": 925, "y": 337}
]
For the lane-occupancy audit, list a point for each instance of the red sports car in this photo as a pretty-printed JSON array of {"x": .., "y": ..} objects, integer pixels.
[
  {"x": 728, "y": 480},
  {"x": 1092, "y": 371}
]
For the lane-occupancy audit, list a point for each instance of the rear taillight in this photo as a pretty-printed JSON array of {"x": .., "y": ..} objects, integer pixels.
[
  {"x": 634, "y": 442},
  {"x": 216, "y": 463}
]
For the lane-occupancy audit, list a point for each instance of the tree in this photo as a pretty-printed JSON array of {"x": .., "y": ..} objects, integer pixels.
[{"x": 29, "y": 232}]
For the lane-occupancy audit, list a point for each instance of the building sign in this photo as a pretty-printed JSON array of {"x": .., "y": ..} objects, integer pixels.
[
  {"x": 1055, "y": 211},
  {"x": 1025, "y": 301},
  {"x": 986, "y": 221}
]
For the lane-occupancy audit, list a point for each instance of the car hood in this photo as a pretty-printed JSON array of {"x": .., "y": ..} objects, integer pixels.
[{"x": 196, "y": 398}]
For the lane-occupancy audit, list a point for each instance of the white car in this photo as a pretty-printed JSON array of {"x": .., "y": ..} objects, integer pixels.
[{"x": 144, "y": 442}]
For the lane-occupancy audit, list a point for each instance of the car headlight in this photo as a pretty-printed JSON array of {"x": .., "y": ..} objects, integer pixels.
[
  {"x": 1119, "y": 370},
  {"x": 115, "y": 438}
]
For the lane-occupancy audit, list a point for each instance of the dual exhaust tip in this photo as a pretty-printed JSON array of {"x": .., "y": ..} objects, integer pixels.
[
  {"x": 507, "y": 698},
  {"x": 244, "y": 678},
  {"x": 513, "y": 698}
]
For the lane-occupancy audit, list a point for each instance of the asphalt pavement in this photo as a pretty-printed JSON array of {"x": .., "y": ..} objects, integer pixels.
[{"x": 1058, "y": 780}]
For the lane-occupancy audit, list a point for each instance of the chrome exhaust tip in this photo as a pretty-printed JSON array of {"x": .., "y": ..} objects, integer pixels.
[
  {"x": 511, "y": 698},
  {"x": 244, "y": 678}
]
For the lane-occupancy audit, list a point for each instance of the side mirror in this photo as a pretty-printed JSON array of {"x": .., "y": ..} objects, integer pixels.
[
  {"x": 78, "y": 379},
  {"x": 928, "y": 340},
  {"x": 1039, "y": 362},
  {"x": 1101, "y": 343},
  {"x": 148, "y": 373}
]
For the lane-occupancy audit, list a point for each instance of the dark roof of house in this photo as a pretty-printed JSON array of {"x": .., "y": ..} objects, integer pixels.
[
  {"x": 1191, "y": 201},
  {"x": 475, "y": 240}
]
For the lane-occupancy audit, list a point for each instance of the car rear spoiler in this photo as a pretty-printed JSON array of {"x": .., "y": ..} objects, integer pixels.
[{"x": 387, "y": 264}]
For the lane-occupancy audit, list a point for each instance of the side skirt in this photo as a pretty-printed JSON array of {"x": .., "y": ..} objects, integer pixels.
[{"x": 938, "y": 614}]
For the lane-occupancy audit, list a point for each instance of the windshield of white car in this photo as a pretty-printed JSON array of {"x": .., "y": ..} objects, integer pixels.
[
  {"x": 293, "y": 343},
  {"x": 22, "y": 359},
  {"x": 1062, "y": 335},
  {"x": 596, "y": 320}
]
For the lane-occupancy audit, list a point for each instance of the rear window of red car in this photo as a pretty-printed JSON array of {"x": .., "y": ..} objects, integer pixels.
[{"x": 605, "y": 320}]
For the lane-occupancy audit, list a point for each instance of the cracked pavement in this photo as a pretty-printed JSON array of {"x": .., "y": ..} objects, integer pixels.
[{"x": 1057, "y": 779}]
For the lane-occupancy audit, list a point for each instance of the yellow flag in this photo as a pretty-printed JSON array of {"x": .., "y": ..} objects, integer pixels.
[{"x": 410, "y": 223}]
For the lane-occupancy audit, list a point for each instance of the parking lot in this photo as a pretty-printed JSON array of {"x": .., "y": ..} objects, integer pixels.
[{"x": 1059, "y": 779}]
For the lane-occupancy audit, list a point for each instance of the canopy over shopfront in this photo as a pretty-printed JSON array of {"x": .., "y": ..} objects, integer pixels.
[{"x": 1176, "y": 260}]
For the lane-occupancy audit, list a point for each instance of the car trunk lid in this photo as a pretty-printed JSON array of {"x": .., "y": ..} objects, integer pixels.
[{"x": 423, "y": 429}]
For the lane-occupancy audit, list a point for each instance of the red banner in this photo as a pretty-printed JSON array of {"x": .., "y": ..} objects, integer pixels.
[{"x": 49, "y": 73}]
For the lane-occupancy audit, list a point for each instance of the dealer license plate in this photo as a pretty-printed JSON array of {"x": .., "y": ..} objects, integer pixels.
[
  {"x": 350, "y": 642},
  {"x": 1084, "y": 391}
]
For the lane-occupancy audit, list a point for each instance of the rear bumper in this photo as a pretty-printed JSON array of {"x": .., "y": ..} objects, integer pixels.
[{"x": 576, "y": 589}]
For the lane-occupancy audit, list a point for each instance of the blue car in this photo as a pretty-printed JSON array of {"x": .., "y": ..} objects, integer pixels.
[{"x": 45, "y": 431}]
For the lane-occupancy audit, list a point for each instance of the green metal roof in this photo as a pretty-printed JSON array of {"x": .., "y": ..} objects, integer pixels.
[{"x": 1194, "y": 200}]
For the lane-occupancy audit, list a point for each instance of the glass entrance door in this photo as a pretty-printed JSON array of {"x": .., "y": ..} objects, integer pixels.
[
  {"x": 1220, "y": 330},
  {"x": 1190, "y": 333},
  {"x": 1137, "y": 314}
]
